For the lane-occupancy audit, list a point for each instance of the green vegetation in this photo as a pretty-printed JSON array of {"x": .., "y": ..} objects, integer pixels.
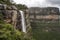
[
  {"x": 46, "y": 31},
  {"x": 8, "y": 32},
  {"x": 5, "y": 2},
  {"x": 21, "y": 7}
]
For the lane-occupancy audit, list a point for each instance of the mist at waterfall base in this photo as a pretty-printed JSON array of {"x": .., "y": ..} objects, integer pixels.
[{"x": 23, "y": 21}]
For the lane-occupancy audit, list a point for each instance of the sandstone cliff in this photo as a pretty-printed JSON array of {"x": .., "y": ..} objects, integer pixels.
[
  {"x": 10, "y": 14},
  {"x": 47, "y": 13}
]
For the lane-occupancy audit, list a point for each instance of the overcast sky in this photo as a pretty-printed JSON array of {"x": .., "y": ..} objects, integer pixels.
[{"x": 39, "y": 3}]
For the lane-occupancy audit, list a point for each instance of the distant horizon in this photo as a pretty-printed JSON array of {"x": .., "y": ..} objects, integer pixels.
[
  {"x": 45, "y": 7},
  {"x": 39, "y": 3}
]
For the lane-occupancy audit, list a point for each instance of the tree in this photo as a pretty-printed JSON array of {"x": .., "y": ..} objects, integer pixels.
[
  {"x": 10, "y": 2},
  {"x": 5, "y": 2},
  {"x": 21, "y": 7}
]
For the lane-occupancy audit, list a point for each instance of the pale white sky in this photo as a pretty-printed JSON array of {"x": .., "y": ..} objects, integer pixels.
[{"x": 36, "y": 3}]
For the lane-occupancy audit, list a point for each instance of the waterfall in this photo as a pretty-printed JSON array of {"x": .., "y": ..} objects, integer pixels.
[{"x": 23, "y": 21}]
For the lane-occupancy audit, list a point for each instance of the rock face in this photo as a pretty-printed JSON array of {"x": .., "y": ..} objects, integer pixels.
[
  {"x": 48, "y": 13},
  {"x": 10, "y": 14},
  {"x": 44, "y": 11}
]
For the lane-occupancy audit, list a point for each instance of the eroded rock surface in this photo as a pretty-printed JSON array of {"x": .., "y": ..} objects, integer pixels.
[{"x": 10, "y": 15}]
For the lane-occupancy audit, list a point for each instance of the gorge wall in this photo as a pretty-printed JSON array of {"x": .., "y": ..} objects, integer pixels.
[{"x": 47, "y": 13}]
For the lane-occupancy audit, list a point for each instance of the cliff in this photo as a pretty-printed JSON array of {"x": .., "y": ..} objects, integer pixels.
[
  {"x": 11, "y": 15},
  {"x": 47, "y": 13},
  {"x": 44, "y": 11}
]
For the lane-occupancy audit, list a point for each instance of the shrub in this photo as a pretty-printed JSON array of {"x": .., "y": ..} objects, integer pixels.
[{"x": 7, "y": 32}]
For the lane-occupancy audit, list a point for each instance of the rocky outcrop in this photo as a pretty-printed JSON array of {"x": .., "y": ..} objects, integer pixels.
[
  {"x": 48, "y": 13},
  {"x": 44, "y": 11},
  {"x": 9, "y": 14}
]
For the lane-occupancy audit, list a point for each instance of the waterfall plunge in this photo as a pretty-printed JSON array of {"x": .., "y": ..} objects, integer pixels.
[{"x": 23, "y": 21}]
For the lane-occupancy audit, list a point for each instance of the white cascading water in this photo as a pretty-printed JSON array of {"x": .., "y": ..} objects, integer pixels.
[{"x": 23, "y": 21}]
